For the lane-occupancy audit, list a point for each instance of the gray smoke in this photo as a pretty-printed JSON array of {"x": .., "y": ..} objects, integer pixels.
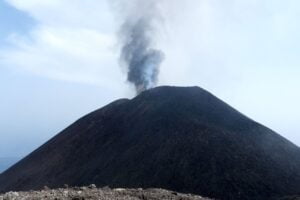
[{"x": 138, "y": 55}]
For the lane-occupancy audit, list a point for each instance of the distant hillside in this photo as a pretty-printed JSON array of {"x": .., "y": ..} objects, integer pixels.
[
  {"x": 178, "y": 138},
  {"x": 7, "y": 162}
]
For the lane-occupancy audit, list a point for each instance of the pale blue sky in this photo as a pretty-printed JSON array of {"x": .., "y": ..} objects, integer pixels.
[{"x": 59, "y": 61}]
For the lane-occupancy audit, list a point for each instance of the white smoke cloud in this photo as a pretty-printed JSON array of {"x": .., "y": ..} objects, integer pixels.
[{"x": 137, "y": 37}]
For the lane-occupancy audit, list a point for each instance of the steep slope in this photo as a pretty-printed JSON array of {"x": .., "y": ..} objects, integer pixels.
[{"x": 182, "y": 139}]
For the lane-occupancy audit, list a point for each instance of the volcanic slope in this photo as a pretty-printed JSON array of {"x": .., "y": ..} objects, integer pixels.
[{"x": 178, "y": 138}]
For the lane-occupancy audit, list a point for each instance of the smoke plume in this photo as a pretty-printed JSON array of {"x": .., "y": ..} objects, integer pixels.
[{"x": 138, "y": 54}]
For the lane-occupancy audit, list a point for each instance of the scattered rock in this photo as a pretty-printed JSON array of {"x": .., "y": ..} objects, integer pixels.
[
  {"x": 93, "y": 193},
  {"x": 46, "y": 188},
  {"x": 92, "y": 186},
  {"x": 119, "y": 189}
]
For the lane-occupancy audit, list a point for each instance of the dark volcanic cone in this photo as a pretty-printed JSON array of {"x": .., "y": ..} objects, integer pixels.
[{"x": 182, "y": 139}]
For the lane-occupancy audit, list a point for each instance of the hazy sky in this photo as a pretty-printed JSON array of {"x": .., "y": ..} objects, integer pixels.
[{"x": 59, "y": 61}]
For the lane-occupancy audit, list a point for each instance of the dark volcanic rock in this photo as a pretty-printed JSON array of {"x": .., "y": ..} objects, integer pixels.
[{"x": 183, "y": 139}]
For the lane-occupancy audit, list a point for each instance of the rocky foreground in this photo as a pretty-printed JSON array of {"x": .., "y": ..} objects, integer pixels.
[{"x": 93, "y": 193}]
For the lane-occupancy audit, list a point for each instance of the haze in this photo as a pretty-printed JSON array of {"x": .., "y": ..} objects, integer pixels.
[{"x": 59, "y": 60}]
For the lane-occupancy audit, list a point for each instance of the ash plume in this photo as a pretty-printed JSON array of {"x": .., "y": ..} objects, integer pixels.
[{"x": 138, "y": 55}]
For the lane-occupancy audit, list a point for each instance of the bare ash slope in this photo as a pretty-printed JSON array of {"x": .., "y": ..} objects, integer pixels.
[{"x": 178, "y": 138}]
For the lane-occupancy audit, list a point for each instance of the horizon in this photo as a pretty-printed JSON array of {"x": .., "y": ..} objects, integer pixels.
[{"x": 57, "y": 67}]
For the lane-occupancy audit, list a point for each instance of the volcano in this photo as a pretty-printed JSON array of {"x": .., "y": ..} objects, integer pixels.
[{"x": 178, "y": 138}]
